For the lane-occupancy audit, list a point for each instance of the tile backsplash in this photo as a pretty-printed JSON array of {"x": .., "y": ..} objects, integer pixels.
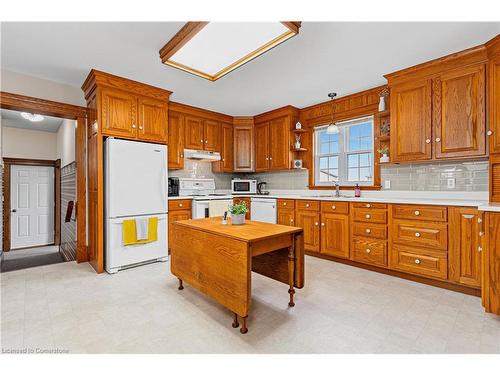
[
  {"x": 200, "y": 169},
  {"x": 287, "y": 180},
  {"x": 466, "y": 176}
]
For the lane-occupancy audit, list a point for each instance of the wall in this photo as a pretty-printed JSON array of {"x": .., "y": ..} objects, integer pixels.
[
  {"x": 200, "y": 169},
  {"x": 66, "y": 142},
  {"x": 22, "y": 84},
  {"x": 28, "y": 144}
]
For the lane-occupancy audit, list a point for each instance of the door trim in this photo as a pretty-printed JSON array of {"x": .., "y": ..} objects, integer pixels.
[
  {"x": 71, "y": 112},
  {"x": 56, "y": 164}
]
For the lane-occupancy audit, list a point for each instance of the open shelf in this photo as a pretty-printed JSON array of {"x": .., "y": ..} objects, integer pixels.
[
  {"x": 299, "y": 149},
  {"x": 299, "y": 131}
]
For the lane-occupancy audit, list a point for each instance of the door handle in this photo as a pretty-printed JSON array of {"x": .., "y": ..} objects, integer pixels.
[{"x": 14, "y": 210}]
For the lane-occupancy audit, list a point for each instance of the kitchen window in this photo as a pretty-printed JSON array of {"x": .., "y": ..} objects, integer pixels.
[{"x": 344, "y": 157}]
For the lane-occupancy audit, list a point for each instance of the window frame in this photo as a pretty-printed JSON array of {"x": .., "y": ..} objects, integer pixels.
[{"x": 343, "y": 153}]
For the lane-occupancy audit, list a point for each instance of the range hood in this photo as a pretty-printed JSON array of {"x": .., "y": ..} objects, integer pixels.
[{"x": 201, "y": 155}]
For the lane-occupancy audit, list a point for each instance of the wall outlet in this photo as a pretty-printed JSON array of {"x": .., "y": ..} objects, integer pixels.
[
  {"x": 387, "y": 184},
  {"x": 450, "y": 183}
]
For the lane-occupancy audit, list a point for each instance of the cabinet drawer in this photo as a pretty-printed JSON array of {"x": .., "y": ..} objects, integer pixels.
[
  {"x": 370, "y": 251},
  {"x": 335, "y": 207},
  {"x": 370, "y": 205},
  {"x": 179, "y": 204},
  {"x": 419, "y": 261},
  {"x": 370, "y": 230},
  {"x": 370, "y": 215},
  {"x": 412, "y": 212},
  {"x": 433, "y": 235},
  {"x": 307, "y": 205},
  {"x": 286, "y": 204}
]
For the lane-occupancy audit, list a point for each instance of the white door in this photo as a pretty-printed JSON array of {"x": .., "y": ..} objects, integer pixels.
[
  {"x": 136, "y": 178},
  {"x": 32, "y": 206}
]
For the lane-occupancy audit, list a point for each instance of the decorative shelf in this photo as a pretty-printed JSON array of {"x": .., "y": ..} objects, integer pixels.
[
  {"x": 299, "y": 149},
  {"x": 383, "y": 113},
  {"x": 384, "y": 138},
  {"x": 299, "y": 130}
]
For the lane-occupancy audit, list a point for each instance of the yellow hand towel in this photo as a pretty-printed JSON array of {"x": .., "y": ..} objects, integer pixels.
[{"x": 129, "y": 231}]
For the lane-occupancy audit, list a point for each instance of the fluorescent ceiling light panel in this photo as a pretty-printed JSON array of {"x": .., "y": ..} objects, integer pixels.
[{"x": 213, "y": 49}]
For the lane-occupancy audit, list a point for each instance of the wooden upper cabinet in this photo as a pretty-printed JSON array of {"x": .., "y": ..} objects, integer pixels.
[
  {"x": 243, "y": 148},
  {"x": 459, "y": 113},
  {"x": 335, "y": 235},
  {"x": 176, "y": 140},
  {"x": 226, "y": 162},
  {"x": 464, "y": 256},
  {"x": 411, "y": 121},
  {"x": 212, "y": 135},
  {"x": 152, "y": 120},
  {"x": 279, "y": 145},
  {"x": 262, "y": 147},
  {"x": 194, "y": 131},
  {"x": 494, "y": 108},
  {"x": 119, "y": 113}
]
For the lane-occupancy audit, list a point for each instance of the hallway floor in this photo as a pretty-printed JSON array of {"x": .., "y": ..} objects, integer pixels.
[{"x": 33, "y": 257}]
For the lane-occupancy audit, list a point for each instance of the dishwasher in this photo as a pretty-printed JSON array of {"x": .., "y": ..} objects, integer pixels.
[{"x": 263, "y": 209}]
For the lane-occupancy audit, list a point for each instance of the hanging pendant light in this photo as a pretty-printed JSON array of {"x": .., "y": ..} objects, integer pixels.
[{"x": 332, "y": 128}]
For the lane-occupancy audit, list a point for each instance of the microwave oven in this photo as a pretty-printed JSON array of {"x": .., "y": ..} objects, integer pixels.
[{"x": 243, "y": 186}]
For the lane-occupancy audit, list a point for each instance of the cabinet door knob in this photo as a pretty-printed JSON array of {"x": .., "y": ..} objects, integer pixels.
[
  {"x": 284, "y": 204},
  {"x": 489, "y": 132},
  {"x": 133, "y": 126},
  {"x": 180, "y": 204},
  {"x": 417, "y": 261},
  {"x": 206, "y": 141},
  {"x": 427, "y": 141},
  {"x": 307, "y": 204},
  {"x": 368, "y": 231},
  {"x": 479, "y": 249},
  {"x": 417, "y": 234},
  {"x": 438, "y": 139},
  {"x": 140, "y": 127},
  {"x": 368, "y": 251},
  {"x": 481, "y": 234},
  {"x": 316, "y": 223},
  {"x": 201, "y": 140},
  {"x": 367, "y": 216},
  {"x": 368, "y": 205},
  {"x": 182, "y": 155},
  {"x": 267, "y": 158},
  {"x": 291, "y": 220},
  {"x": 223, "y": 159},
  {"x": 270, "y": 158},
  {"x": 333, "y": 207},
  {"x": 479, "y": 220},
  {"x": 322, "y": 224},
  {"x": 417, "y": 213}
]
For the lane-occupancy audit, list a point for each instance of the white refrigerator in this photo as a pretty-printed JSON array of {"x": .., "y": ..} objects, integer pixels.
[{"x": 135, "y": 187}]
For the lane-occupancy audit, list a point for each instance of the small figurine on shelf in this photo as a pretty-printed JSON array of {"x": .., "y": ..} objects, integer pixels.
[
  {"x": 381, "y": 104},
  {"x": 297, "y": 141},
  {"x": 384, "y": 154},
  {"x": 298, "y": 125},
  {"x": 385, "y": 127}
]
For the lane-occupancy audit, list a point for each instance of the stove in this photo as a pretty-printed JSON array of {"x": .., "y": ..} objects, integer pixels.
[{"x": 203, "y": 191}]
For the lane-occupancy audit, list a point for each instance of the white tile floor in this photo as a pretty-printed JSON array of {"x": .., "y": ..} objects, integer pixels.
[{"x": 342, "y": 309}]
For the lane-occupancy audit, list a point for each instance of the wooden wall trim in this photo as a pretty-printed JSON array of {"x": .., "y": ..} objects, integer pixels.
[
  {"x": 6, "y": 208},
  {"x": 199, "y": 112},
  {"x": 278, "y": 112},
  {"x": 44, "y": 107},
  {"x": 184, "y": 35}
]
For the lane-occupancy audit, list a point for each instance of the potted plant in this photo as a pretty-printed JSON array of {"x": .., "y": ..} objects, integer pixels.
[
  {"x": 384, "y": 152},
  {"x": 238, "y": 211}
]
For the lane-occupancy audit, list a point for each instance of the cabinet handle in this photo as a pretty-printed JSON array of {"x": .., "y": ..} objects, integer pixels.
[
  {"x": 316, "y": 223},
  {"x": 489, "y": 132},
  {"x": 479, "y": 220},
  {"x": 140, "y": 127},
  {"x": 479, "y": 249},
  {"x": 438, "y": 140},
  {"x": 367, "y": 216},
  {"x": 417, "y": 213},
  {"x": 267, "y": 158},
  {"x": 417, "y": 261},
  {"x": 270, "y": 158},
  {"x": 206, "y": 141},
  {"x": 223, "y": 159},
  {"x": 481, "y": 234},
  {"x": 182, "y": 155},
  {"x": 427, "y": 141},
  {"x": 284, "y": 204},
  {"x": 417, "y": 234},
  {"x": 291, "y": 220},
  {"x": 368, "y": 205},
  {"x": 368, "y": 251},
  {"x": 201, "y": 140},
  {"x": 180, "y": 204},
  {"x": 333, "y": 207},
  {"x": 322, "y": 224},
  {"x": 368, "y": 231},
  {"x": 307, "y": 204},
  {"x": 133, "y": 126}
]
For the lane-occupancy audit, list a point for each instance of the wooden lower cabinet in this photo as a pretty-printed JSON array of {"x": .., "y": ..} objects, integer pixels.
[
  {"x": 420, "y": 261},
  {"x": 491, "y": 263},
  {"x": 247, "y": 201},
  {"x": 178, "y": 209},
  {"x": 309, "y": 222},
  {"x": 286, "y": 217},
  {"x": 335, "y": 235},
  {"x": 369, "y": 251},
  {"x": 464, "y": 251}
]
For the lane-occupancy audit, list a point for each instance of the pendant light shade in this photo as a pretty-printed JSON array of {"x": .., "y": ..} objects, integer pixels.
[{"x": 332, "y": 129}]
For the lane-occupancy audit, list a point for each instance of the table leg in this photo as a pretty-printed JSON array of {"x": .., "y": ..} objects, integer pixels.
[
  {"x": 291, "y": 276},
  {"x": 235, "y": 321},
  {"x": 244, "y": 328},
  {"x": 180, "y": 285}
]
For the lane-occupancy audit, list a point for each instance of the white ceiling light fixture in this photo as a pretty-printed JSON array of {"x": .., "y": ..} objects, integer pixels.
[
  {"x": 213, "y": 49},
  {"x": 33, "y": 117},
  {"x": 332, "y": 128}
]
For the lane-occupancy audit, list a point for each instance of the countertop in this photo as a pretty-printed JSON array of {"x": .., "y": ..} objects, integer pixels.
[{"x": 462, "y": 199}]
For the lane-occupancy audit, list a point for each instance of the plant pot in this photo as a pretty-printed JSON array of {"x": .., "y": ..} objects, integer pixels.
[
  {"x": 238, "y": 219},
  {"x": 384, "y": 158}
]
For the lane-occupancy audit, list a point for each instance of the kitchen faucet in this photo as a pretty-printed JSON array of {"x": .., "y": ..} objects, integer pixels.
[{"x": 337, "y": 190}]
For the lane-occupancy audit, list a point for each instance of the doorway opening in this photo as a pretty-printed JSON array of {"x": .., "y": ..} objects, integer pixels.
[{"x": 41, "y": 185}]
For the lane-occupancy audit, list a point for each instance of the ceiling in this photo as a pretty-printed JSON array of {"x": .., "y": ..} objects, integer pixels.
[
  {"x": 344, "y": 57},
  {"x": 13, "y": 119}
]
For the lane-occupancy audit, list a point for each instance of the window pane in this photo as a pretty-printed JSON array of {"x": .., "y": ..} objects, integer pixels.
[
  {"x": 352, "y": 161},
  {"x": 323, "y": 175},
  {"x": 365, "y": 174},
  {"x": 323, "y": 163},
  {"x": 324, "y": 137},
  {"x": 364, "y": 160},
  {"x": 324, "y": 148},
  {"x": 360, "y": 137},
  {"x": 333, "y": 175},
  {"x": 353, "y": 174},
  {"x": 333, "y": 161}
]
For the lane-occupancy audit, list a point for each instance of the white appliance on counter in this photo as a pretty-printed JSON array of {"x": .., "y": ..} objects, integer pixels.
[
  {"x": 240, "y": 186},
  {"x": 135, "y": 187},
  {"x": 264, "y": 209},
  {"x": 203, "y": 191}
]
